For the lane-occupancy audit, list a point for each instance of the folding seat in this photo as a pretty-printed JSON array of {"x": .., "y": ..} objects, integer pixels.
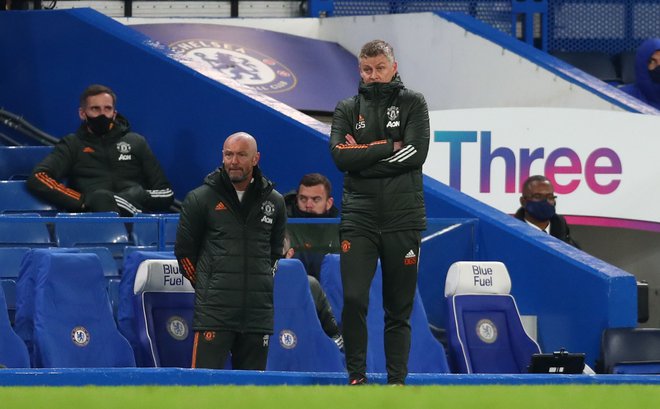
[
  {"x": 126, "y": 315},
  {"x": 32, "y": 232},
  {"x": 163, "y": 301},
  {"x": 13, "y": 352},
  {"x": 108, "y": 262},
  {"x": 81, "y": 233},
  {"x": 630, "y": 351},
  {"x": 147, "y": 234},
  {"x": 15, "y": 198},
  {"x": 11, "y": 258},
  {"x": 427, "y": 355},
  {"x": 110, "y": 272},
  {"x": 484, "y": 330},
  {"x": 73, "y": 322},
  {"x": 298, "y": 342},
  {"x": 17, "y": 162}
]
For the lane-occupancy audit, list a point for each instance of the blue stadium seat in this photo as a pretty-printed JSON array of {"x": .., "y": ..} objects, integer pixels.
[
  {"x": 15, "y": 198},
  {"x": 427, "y": 355},
  {"x": 630, "y": 351},
  {"x": 9, "y": 288},
  {"x": 112, "y": 235},
  {"x": 126, "y": 315},
  {"x": 147, "y": 234},
  {"x": 73, "y": 323},
  {"x": 108, "y": 262},
  {"x": 164, "y": 301},
  {"x": 17, "y": 162},
  {"x": 29, "y": 233},
  {"x": 484, "y": 328},
  {"x": 298, "y": 342},
  {"x": 13, "y": 352},
  {"x": 11, "y": 258}
]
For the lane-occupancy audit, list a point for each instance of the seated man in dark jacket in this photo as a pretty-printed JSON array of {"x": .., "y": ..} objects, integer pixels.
[
  {"x": 311, "y": 242},
  {"x": 538, "y": 203},
  {"x": 108, "y": 168}
]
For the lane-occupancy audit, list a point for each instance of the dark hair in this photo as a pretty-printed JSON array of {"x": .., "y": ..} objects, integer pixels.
[
  {"x": 532, "y": 179},
  {"x": 377, "y": 47},
  {"x": 313, "y": 179},
  {"x": 96, "y": 89}
]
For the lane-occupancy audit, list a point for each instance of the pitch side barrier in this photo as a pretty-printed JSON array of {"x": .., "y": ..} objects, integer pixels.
[{"x": 208, "y": 377}]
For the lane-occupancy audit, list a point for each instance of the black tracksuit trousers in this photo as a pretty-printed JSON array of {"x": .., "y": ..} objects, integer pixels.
[{"x": 399, "y": 255}]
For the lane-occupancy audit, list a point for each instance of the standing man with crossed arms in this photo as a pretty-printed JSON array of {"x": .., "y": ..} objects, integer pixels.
[{"x": 380, "y": 139}]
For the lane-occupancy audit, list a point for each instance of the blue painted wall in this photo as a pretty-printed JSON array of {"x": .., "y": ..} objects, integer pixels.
[{"x": 48, "y": 57}]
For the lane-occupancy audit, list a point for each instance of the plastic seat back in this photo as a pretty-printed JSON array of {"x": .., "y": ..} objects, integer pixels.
[
  {"x": 630, "y": 351},
  {"x": 81, "y": 233},
  {"x": 15, "y": 198},
  {"x": 17, "y": 162},
  {"x": 484, "y": 328},
  {"x": 298, "y": 342},
  {"x": 13, "y": 352},
  {"x": 32, "y": 232}
]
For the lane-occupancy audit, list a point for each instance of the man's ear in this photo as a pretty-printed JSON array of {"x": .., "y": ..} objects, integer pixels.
[
  {"x": 329, "y": 203},
  {"x": 522, "y": 201},
  {"x": 81, "y": 114}
]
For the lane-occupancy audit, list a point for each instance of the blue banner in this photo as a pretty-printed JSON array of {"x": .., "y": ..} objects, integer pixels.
[{"x": 307, "y": 74}]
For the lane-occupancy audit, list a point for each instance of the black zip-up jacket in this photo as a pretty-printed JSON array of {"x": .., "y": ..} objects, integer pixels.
[
  {"x": 383, "y": 189},
  {"x": 558, "y": 227},
  {"x": 118, "y": 161},
  {"x": 229, "y": 249}
]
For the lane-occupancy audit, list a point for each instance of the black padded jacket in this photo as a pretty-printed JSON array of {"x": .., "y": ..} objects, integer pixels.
[
  {"x": 383, "y": 189},
  {"x": 118, "y": 161},
  {"x": 229, "y": 250}
]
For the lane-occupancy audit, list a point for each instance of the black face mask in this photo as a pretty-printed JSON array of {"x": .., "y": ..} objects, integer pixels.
[
  {"x": 655, "y": 74},
  {"x": 99, "y": 125}
]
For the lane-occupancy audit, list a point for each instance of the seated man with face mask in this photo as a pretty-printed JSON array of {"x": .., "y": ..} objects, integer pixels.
[
  {"x": 107, "y": 167},
  {"x": 647, "y": 74},
  {"x": 538, "y": 203}
]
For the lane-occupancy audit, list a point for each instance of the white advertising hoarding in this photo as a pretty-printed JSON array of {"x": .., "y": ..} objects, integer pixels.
[{"x": 604, "y": 165}]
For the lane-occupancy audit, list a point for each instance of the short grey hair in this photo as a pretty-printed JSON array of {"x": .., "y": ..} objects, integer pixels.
[{"x": 377, "y": 47}]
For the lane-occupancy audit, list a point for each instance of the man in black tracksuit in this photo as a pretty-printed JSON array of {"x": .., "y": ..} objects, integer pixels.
[
  {"x": 380, "y": 140},
  {"x": 108, "y": 167},
  {"x": 229, "y": 238}
]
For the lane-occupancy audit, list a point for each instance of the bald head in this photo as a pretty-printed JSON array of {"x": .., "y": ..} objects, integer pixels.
[{"x": 239, "y": 157}]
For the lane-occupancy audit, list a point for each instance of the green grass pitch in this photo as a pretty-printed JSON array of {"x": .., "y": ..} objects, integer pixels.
[{"x": 340, "y": 397}]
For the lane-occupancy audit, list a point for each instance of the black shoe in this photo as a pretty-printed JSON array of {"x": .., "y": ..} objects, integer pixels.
[{"x": 358, "y": 381}]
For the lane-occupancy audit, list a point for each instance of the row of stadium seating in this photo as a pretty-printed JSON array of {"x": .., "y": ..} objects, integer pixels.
[
  {"x": 63, "y": 321},
  {"x": 87, "y": 229}
]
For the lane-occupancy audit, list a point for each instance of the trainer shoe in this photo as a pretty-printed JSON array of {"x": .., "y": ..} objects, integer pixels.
[{"x": 358, "y": 381}]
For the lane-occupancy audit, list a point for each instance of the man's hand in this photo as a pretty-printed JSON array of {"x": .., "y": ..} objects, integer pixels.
[
  {"x": 398, "y": 145},
  {"x": 350, "y": 140}
]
